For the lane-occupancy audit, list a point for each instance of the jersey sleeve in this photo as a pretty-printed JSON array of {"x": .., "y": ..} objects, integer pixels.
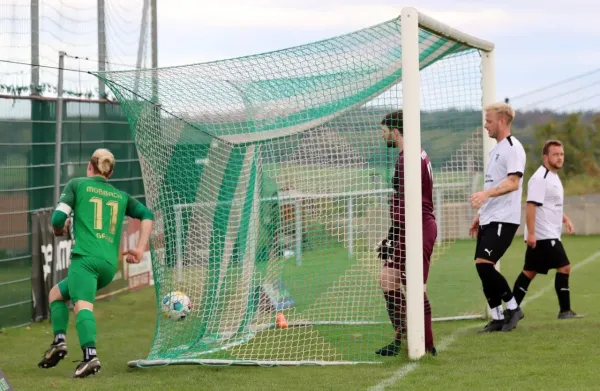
[
  {"x": 137, "y": 210},
  {"x": 66, "y": 203},
  {"x": 536, "y": 190},
  {"x": 426, "y": 175},
  {"x": 516, "y": 161}
]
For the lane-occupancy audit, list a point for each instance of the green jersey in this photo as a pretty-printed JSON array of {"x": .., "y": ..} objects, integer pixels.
[{"x": 99, "y": 210}]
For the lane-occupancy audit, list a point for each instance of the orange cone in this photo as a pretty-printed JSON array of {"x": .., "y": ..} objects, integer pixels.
[{"x": 281, "y": 321}]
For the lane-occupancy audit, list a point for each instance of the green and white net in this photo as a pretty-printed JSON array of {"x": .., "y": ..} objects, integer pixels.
[{"x": 270, "y": 182}]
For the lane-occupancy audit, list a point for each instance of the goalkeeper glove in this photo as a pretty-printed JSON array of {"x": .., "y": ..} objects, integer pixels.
[{"x": 385, "y": 249}]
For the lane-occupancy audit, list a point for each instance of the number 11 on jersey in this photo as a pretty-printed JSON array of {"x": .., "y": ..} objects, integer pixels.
[{"x": 98, "y": 208}]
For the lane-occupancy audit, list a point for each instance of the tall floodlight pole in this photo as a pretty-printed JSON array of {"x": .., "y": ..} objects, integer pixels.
[
  {"x": 154, "y": 50},
  {"x": 101, "y": 46},
  {"x": 141, "y": 43},
  {"x": 59, "y": 117},
  {"x": 35, "y": 45}
]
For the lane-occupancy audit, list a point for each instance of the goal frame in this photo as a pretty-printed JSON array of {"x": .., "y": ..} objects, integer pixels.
[{"x": 411, "y": 21}]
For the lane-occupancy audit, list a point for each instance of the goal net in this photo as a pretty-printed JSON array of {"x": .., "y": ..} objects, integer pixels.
[{"x": 271, "y": 184}]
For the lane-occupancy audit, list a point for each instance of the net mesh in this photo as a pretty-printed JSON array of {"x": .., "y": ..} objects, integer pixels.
[{"x": 270, "y": 182}]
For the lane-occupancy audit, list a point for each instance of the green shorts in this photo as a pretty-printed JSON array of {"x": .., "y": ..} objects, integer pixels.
[{"x": 86, "y": 276}]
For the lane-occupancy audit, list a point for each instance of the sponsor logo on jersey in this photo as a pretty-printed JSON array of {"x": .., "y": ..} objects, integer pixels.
[{"x": 95, "y": 190}]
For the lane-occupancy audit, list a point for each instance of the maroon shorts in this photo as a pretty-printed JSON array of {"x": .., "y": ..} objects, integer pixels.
[{"x": 399, "y": 260}]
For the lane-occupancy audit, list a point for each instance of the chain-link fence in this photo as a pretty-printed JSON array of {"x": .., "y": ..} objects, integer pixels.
[{"x": 27, "y": 165}]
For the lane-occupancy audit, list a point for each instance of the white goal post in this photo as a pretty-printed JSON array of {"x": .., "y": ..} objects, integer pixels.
[{"x": 411, "y": 19}]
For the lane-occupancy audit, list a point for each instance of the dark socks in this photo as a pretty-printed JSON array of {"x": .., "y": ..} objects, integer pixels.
[
  {"x": 502, "y": 286},
  {"x": 521, "y": 286},
  {"x": 88, "y": 353},
  {"x": 487, "y": 274},
  {"x": 396, "y": 307},
  {"x": 561, "y": 284},
  {"x": 428, "y": 329}
]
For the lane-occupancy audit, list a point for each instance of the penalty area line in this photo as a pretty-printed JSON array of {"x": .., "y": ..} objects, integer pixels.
[{"x": 449, "y": 340}]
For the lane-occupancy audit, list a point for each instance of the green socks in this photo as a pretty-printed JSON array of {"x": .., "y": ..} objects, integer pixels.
[
  {"x": 86, "y": 328},
  {"x": 85, "y": 321},
  {"x": 59, "y": 317}
]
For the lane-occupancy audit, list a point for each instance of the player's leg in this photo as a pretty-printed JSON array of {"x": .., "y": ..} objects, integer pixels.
[
  {"x": 83, "y": 280},
  {"x": 505, "y": 234},
  {"x": 533, "y": 263},
  {"x": 390, "y": 281},
  {"x": 485, "y": 269},
  {"x": 495, "y": 240},
  {"x": 429, "y": 236},
  {"x": 59, "y": 317},
  {"x": 561, "y": 282}
]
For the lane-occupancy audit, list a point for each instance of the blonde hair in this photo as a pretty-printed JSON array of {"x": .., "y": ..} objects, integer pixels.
[
  {"x": 103, "y": 161},
  {"x": 503, "y": 109}
]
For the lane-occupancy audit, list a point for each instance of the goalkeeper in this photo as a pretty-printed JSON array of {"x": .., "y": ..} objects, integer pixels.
[
  {"x": 392, "y": 249},
  {"x": 99, "y": 210}
]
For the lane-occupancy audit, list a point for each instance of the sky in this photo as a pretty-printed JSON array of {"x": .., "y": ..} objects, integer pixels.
[{"x": 536, "y": 42}]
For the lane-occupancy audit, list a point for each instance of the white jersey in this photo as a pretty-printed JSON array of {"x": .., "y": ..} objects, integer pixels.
[
  {"x": 545, "y": 190},
  {"x": 507, "y": 157}
]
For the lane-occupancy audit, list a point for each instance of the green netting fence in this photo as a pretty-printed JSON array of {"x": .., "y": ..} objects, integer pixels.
[{"x": 27, "y": 164}]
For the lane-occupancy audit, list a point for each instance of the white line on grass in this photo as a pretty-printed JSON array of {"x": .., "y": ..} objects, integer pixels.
[{"x": 447, "y": 341}]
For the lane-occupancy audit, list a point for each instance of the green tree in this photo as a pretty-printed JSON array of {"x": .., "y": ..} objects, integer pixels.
[{"x": 581, "y": 141}]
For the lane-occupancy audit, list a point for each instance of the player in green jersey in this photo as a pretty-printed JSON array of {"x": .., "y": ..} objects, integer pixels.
[{"x": 98, "y": 213}]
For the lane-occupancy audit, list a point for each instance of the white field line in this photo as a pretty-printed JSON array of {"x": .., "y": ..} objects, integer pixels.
[{"x": 447, "y": 341}]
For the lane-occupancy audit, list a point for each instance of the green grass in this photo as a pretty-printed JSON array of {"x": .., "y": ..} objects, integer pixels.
[{"x": 542, "y": 353}]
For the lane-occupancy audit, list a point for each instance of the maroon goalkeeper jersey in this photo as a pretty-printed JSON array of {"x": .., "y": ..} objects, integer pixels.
[{"x": 397, "y": 201}]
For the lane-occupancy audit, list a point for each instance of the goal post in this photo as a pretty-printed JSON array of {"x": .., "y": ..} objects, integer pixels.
[
  {"x": 271, "y": 187},
  {"x": 411, "y": 24}
]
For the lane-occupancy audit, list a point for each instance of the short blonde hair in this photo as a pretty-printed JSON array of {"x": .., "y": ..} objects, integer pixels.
[
  {"x": 504, "y": 109},
  {"x": 103, "y": 161}
]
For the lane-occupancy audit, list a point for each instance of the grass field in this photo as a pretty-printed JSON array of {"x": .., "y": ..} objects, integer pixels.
[{"x": 542, "y": 353}]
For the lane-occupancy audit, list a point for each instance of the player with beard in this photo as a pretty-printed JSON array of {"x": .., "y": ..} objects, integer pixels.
[
  {"x": 544, "y": 220},
  {"x": 392, "y": 249}
]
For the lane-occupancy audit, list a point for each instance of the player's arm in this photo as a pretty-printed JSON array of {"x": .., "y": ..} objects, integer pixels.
[
  {"x": 536, "y": 190},
  {"x": 515, "y": 166},
  {"x": 137, "y": 210},
  {"x": 567, "y": 222},
  {"x": 66, "y": 202},
  {"x": 510, "y": 184}
]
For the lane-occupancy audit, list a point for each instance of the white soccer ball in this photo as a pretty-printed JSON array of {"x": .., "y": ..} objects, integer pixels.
[{"x": 176, "y": 305}]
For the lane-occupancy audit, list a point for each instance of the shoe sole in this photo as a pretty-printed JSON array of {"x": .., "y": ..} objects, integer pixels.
[
  {"x": 90, "y": 372},
  {"x": 51, "y": 364}
]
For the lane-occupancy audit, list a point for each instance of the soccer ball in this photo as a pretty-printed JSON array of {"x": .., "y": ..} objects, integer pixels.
[{"x": 176, "y": 306}]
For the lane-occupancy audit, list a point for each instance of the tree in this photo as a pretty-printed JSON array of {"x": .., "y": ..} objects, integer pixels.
[{"x": 581, "y": 141}]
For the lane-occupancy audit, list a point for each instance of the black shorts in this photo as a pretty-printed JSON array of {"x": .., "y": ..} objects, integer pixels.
[
  {"x": 494, "y": 239},
  {"x": 547, "y": 254}
]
